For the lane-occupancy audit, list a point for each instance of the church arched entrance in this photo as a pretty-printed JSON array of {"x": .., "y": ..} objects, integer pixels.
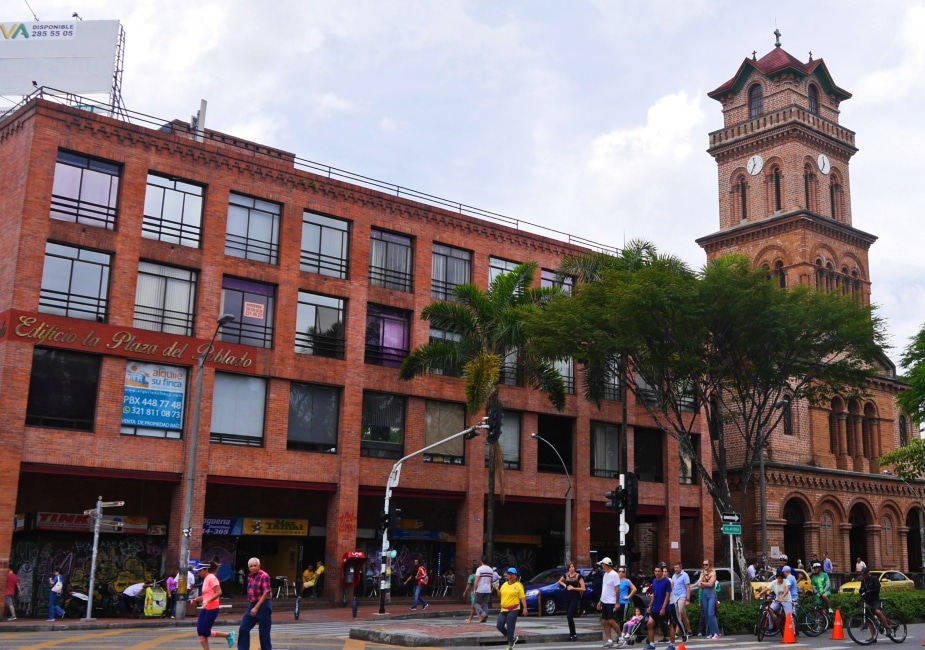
[
  {"x": 915, "y": 521},
  {"x": 794, "y": 527},
  {"x": 857, "y": 537}
]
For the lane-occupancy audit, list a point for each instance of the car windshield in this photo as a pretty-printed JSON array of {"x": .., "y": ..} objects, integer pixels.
[{"x": 547, "y": 577}]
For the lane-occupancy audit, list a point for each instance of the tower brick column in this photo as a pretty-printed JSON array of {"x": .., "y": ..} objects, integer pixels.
[
  {"x": 857, "y": 430},
  {"x": 842, "y": 459},
  {"x": 876, "y": 444}
]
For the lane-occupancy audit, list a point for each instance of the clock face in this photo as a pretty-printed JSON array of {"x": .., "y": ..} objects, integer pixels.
[
  {"x": 754, "y": 165},
  {"x": 823, "y": 163}
]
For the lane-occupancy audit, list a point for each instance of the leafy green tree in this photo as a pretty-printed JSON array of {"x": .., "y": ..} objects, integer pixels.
[
  {"x": 489, "y": 328},
  {"x": 715, "y": 349},
  {"x": 909, "y": 461}
]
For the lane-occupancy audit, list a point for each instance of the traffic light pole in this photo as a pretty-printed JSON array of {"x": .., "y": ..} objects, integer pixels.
[
  {"x": 624, "y": 527},
  {"x": 385, "y": 571}
]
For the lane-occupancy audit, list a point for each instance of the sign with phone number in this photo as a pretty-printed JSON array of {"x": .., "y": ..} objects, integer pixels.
[{"x": 153, "y": 396}]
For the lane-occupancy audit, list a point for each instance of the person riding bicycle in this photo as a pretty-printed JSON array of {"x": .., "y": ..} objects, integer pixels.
[
  {"x": 781, "y": 590},
  {"x": 870, "y": 593},
  {"x": 821, "y": 585}
]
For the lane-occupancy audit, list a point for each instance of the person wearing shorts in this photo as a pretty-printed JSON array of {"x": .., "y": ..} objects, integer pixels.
[
  {"x": 610, "y": 592},
  {"x": 211, "y": 593},
  {"x": 680, "y": 597}
]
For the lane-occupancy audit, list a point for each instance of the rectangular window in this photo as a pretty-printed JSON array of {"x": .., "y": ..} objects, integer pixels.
[
  {"x": 509, "y": 440},
  {"x": 165, "y": 299},
  {"x": 173, "y": 211},
  {"x": 152, "y": 400},
  {"x": 313, "y": 414},
  {"x": 62, "y": 389},
  {"x": 688, "y": 473},
  {"x": 238, "y": 409},
  {"x": 388, "y": 335},
  {"x": 550, "y": 279},
  {"x": 441, "y": 420},
  {"x": 325, "y": 245},
  {"x": 649, "y": 447},
  {"x": 253, "y": 229},
  {"x": 252, "y": 305},
  {"x": 566, "y": 370},
  {"x": 605, "y": 449},
  {"x": 383, "y": 427},
  {"x": 449, "y": 338},
  {"x": 612, "y": 390},
  {"x": 497, "y": 266},
  {"x": 390, "y": 261},
  {"x": 320, "y": 326},
  {"x": 450, "y": 268},
  {"x": 511, "y": 370},
  {"x": 75, "y": 282},
  {"x": 85, "y": 191}
]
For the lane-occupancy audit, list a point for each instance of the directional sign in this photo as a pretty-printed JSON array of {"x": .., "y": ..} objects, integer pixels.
[
  {"x": 732, "y": 517},
  {"x": 732, "y": 529},
  {"x": 91, "y": 512},
  {"x": 117, "y": 504}
]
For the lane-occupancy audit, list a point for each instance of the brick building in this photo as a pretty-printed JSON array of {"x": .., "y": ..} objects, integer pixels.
[
  {"x": 785, "y": 201},
  {"x": 124, "y": 241}
]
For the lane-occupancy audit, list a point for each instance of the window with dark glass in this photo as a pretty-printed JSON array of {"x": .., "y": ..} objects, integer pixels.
[
  {"x": 251, "y": 304},
  {"x": 776, "y": 189},
  {"x": 313, "y": 416},
  {"x": 173, "y": 211},
  {"x": 809, "y": 180},
  {"x": 605, "y": 449},
  {"x": 253, "y": 229},
  {"x": 787, "y": 418},
  {"x": 450, "y": 267},
  {"x": 442, "y": 420},
  {"x": 165, "y": 299},
  {"x": 556, "y": 456},
  {"x": 75, "y": 282},
  {"x": 551, "y": 279},
  {"x": 450, "y": 338},
  {"x": 239, "y": 405},
  {"x": 509, "y": 440},
  {"x": 834, "y": 196},
  {"x": 325, "y": 245},
  {"x": 63, "y": 387},
  {"x": 383, "y": 426},
  {"x": 320, "y": 325},
  {"x": 85, "y": 191},
  {"x": 388, "y": 335},
  {"x": 390, "y": 261},
  {"x": 813, "y": 100},
  {"x": 649, "y": 452},
  {"x": 743, "y": 199},
  {"x": 755, "y": 101},
  {"x": 497, "y": 266},
  {"x": 903, "y": 432}
]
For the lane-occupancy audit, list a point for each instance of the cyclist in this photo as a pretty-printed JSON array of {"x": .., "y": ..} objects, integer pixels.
[
  {"x": 781, "y": 590},
  {"x": 870, "y": 592},
  {"x": 821, "y": 585}
]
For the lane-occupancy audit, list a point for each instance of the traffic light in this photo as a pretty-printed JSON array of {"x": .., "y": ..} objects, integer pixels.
[
  {"x": 616, "y": 497},
  {"x": 495, "y": 418},
  {"x": 383, "y": 522},
  {"x": 394, "y": 519},
  {"x": 630, "y": 494}
]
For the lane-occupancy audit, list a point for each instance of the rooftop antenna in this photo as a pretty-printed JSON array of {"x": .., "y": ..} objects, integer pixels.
[{"x": 30, "y": 10}]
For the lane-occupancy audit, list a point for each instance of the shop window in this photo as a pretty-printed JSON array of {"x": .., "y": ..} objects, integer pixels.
[
  {"x": 497, "y": 266},
  {"x": 63, "y": 388},
  {"x": 390, "y": 261},
  {"x": 383, "y": 426},
  {"x": 450, "y": 267},
  {"x": 755, "y": 101},
  {"x": 325, "y": 245},
  {"x": 441, "y": 420},
  {"x": 252, "y": 305},
  {"x": 550, "y": 279},
  {"x": 85, "y": 191},
  {"x": 75, "y": 282},
  {"x": 388, "y": 335},
  {"x": 173, "y": 211},
  {"x": 253, "y": 229},
  {"x": 605, "y": 449},
  {"x": 448, "y": 338},
  {"x": 320, "y": 325},
  {"x": 165, "y": 299},
  {"x": 152, "y": 400},
  {"x": 313, "y": 418},
  {"x": 509, "y": 440},
  {"x": 238, "y": 409},
  {"x": 649, "y": 454}
]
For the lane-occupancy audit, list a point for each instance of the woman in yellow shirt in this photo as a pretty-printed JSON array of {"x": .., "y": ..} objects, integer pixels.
[{"x": 513, "y": 600}]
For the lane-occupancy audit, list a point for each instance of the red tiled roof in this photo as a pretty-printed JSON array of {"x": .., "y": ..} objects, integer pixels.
[{"x": 775, "y": 61}]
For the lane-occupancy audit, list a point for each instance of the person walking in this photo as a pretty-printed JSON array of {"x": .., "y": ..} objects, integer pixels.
[
  {"x": 658, "y": 610},
  {"x": 827, "y": 565},
  {"x": 419, "y": 575},
  {"x": 574, "y": 586},
  {"x": 607, "y": 603},
  {"x": 13, "y": 590},
  {"x": 54, "y": 596},
  {"x": 260, "y": 610},
  {"x": 707, "y": 584},
  {"x": 513, "y": 601},
  {"x": 484, "y": 576},
  {"x": 210, "y": 594},
  {"x": 470, "y": 590},
  {"x": 680, "y": 598}
]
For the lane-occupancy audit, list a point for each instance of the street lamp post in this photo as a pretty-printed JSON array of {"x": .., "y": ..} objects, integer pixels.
[
  {"x": 762, "y": 443},
  {"x": 190, "y": 474},
  {"x": 568, "y": 502}
]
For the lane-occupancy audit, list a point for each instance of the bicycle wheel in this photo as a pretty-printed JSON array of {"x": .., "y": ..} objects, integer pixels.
[
  {"x": 813, "y": 622},
  {"x": 763, "y": 624},
  {"x": 897, "y": 630},
  {"x": 861, "y": 628}
]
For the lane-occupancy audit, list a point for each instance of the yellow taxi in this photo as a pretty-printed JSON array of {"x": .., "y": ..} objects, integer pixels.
[
  {"x": 889, "y": 581},
  {"x": 804, "y": 585}
]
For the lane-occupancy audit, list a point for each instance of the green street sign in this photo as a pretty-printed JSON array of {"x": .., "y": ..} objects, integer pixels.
[{"x": 732, "y": 529}]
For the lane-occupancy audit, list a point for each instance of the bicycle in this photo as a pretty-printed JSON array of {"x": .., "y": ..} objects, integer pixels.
[
  {"x": 864, "y": 626},
  {"x": 812, "y": 619},
  {"x": 769, "y": 622}
]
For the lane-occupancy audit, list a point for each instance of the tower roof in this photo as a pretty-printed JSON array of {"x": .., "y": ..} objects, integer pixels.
[{"x": 779, "y": 61}]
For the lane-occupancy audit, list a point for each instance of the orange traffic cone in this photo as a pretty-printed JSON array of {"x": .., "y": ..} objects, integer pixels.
[
  {"x": 789, "y": 636},
  {"x": 681, "y": 646},
  {"x": 838, "y": 632}
]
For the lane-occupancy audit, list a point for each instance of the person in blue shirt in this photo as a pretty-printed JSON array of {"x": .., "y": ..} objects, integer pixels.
[
  {"x": 794, "y": 593},
  {"x": 627, "y": 589},
  {"x": 658, "y": 609}
]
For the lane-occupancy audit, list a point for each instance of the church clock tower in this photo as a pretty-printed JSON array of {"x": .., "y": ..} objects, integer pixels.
[{"x": 784, "y": 185}]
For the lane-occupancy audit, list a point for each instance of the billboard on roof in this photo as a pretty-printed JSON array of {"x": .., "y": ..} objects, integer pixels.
[{"x": 72, "y": 55}]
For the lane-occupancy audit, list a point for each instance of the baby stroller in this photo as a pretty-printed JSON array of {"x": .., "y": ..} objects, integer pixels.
[{"x": 637, "y": 632}]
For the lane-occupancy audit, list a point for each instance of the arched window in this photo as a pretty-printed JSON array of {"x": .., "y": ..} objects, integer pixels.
[
  {"x": 835, "y": 198},
  {"x": 813, "y": 100},
  {"x": 743, "y": 198},
  {"x": 809, "y": 180},
  {"x": 777, "y": 196},
  {"x": 755, "y": 101},
  {"x": 780, "y": 273},
  {"x": 787, "y": 418},
  {"x": 826, "y": 527}
]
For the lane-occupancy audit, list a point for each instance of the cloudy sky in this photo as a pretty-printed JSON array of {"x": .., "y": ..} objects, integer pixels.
[{"x": 586, "y": 116}]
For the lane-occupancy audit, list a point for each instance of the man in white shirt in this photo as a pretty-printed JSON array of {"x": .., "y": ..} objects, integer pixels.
[
  {"x": 610, "y": 593},
  {"x": 134, "y": 598},
  {"x": 484, "y": 576}
]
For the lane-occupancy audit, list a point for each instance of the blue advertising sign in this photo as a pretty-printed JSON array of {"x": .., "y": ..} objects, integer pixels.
[{"x": 153, "y": 396}]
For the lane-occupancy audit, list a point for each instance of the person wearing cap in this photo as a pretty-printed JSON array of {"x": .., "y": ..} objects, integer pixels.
[
  {"x": 821, "y": 585},
  {"x": 513, "y": 601},
  {"x": 870, "y": 592},
  {"x": 794, "y": 593},
  {"x": 781, "y": 591},
  {"x": 209, "y": 598},
  {"x": 610, "y": 592},
  {"x": 658, "y": 609}
]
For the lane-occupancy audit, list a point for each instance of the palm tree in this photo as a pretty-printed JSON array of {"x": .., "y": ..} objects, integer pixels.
[{"x": 489, "y": 328}]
